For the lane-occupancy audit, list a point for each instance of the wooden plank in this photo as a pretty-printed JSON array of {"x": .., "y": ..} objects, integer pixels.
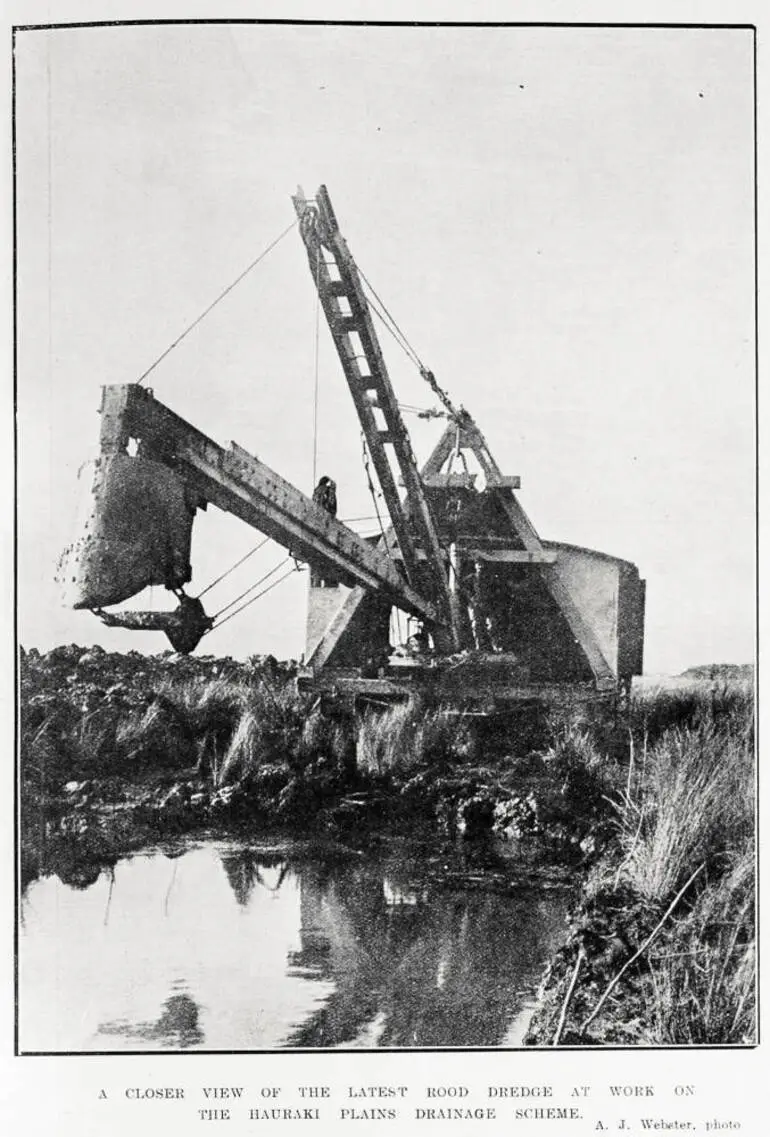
[
  {"x": 504, "y": 481},
  {"x": 511, "y": 556},
  {"x": 450, "y": 481},
  {"x": 441, "y": 451},
  {"x": 344, "y": 683}
]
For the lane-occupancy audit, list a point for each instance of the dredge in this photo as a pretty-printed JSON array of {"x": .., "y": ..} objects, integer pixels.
[{"x": 496, "y": 614}]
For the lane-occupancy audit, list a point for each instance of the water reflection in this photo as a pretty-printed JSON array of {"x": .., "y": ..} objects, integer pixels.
[
  {"x": 276, "y": 946},
  {"x": 439, "y": 969},
  {"x": 176, "y": 1029},
  {"x": 246, "y": 868}
]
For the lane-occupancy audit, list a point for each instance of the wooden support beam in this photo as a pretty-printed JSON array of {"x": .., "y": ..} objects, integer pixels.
[
  {"x": 397, "y": 687},
  {"x": 504, "y": 481},
  {"x": 466, "y": 436},
  {"x": 333, "y": 633},
  {"x": 511, "y": 556},
  {"x": 450, "y": 481}
]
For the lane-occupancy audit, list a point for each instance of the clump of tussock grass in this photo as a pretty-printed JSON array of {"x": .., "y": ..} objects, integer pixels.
[
  {"x": 573, "y": 742},
  {"x": 271, "y": 728},
  {"x": 67, "y": 735},
  {"x": 704, "y": 979},
  {"x": 207, "y": 703},
  {"x": 386, "y": 743},
  {"x": 663, "y": 945},
  {"x": 330, "y": 737},
  {"x": 219, "y": 725},
  {"x": 156, "y": 735},
  {"x": 446, "y": 737},
  {"x": 583, "y": 772},
  {"x": 405, "y": 738},
  {"x": 685, "y": 863},
  {"x": 692, "y": 804},
  {"x": 654, "y": 710},
  {"x": 243, "y": 752},
  {"x": 211, "y": 710}
]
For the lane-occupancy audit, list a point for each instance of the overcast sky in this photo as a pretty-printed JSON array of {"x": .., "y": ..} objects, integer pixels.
[{"x": 561, "y": 220}]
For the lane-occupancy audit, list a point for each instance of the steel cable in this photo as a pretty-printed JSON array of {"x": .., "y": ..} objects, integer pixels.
[
  {"x": 251, "y": 552},
  {"x": 221, "y": 296},
  {"x": 251, "y": 588},
  {"x": 264, "y": 591}
]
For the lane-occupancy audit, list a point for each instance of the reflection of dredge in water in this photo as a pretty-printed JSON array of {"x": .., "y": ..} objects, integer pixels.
[
  {"x": 506, "y": 616},
  {"x": 246, "y": 868},
  {"x": 411, "y": 965}
]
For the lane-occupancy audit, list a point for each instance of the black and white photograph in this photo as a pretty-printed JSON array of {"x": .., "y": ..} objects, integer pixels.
[{"x": 386, "y": 587}]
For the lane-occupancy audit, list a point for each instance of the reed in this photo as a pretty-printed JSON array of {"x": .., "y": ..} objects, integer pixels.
[
  {"x": 405, "y": 738},
  {"x": 704, "y": 980},
  {"x": 655, "y": 709},
  {"x": 387, "y": 742},
  {"x": 690, "y": 803}
]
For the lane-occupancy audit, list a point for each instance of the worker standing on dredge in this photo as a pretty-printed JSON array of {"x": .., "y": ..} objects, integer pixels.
[{"x": 325, "y": 495}]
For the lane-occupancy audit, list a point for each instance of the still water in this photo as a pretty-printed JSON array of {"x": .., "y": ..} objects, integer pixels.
[{"x": 227, "y": 946}]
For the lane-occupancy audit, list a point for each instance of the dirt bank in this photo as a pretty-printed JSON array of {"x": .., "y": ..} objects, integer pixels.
[{"x": 116, "y": 750}]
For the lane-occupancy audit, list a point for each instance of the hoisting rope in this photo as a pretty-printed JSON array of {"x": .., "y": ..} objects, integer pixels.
[
  {"x": 373, "y": 492},
  {"x": 457, "y": 414},
  {"x": 315, "y": 361},
  {"x": 251, "y": 552},
  {"x": 251, "y": 588},
  {"x": 390, "y": 324},
  {"x": 264, "y": 591},
  {"x": 383, "y": 534},
  {"x": 422, "y": 412},
  {"x": 221, "y": 296},
  {"x": 378, "y": 307}
]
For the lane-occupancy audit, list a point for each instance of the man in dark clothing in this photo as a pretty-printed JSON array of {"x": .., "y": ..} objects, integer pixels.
[{"x": 325, "y": 495}]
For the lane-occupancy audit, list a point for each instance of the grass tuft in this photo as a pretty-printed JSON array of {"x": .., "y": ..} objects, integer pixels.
[{"x": 387, "y": 742}]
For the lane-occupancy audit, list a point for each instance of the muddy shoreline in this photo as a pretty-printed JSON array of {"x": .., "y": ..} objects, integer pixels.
[{"x": 119, "y": 752}]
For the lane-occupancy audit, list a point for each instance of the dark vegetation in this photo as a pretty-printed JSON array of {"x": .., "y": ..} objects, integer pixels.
[
  {"x": 723, "y": 672},
  {"x": 662, "y": 946},
  {"x": 652, "y": 808}
]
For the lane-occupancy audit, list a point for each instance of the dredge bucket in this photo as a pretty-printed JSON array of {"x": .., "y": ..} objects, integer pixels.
[{"x": 134, "y": 530}]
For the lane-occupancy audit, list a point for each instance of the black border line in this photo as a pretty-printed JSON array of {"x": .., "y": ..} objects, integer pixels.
[
  {"x": 757, "y": 578},
  {"x": 373, "y": 24},
  {"x": 16, "y": 642},
  {"x": 691, "y": 1049},
  {"x": 15, "y": 29}
]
